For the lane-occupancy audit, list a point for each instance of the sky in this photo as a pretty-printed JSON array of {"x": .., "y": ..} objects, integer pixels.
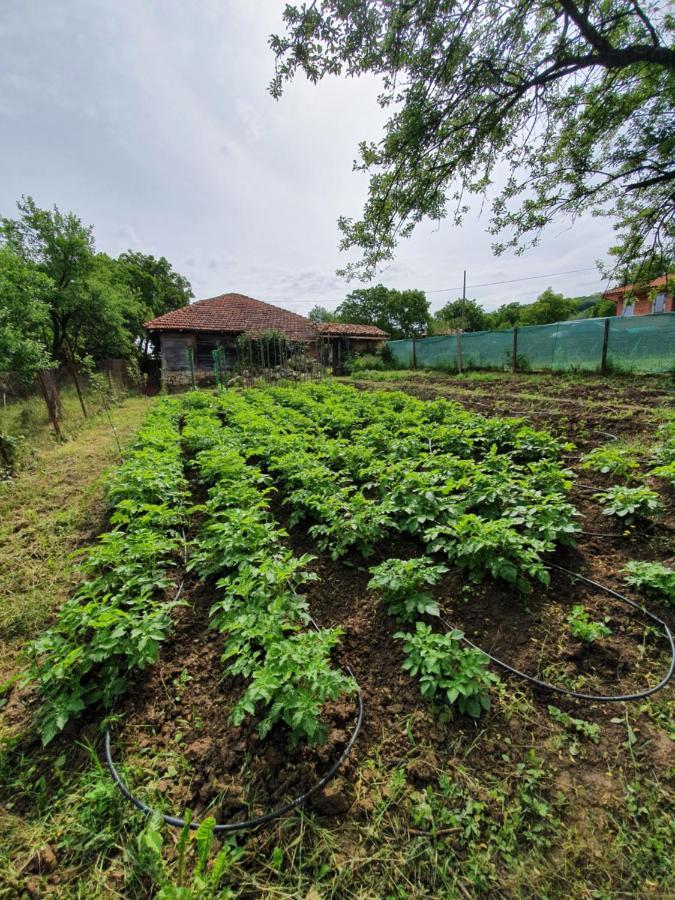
[{"x": 152, "y": 121}]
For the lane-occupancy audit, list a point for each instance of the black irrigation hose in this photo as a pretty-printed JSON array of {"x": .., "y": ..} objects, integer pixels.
[
  {"x": 641, "y": 695},
  {"x": 257, "y": 820}
]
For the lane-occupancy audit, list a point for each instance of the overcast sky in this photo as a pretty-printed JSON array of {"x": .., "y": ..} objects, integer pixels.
[{"x": 151, "y": 120}]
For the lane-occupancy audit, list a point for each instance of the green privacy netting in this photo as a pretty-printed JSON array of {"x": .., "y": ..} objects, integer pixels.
[
  {"x": 642, "y": 343},
  {"x": 635, "y": 344}
]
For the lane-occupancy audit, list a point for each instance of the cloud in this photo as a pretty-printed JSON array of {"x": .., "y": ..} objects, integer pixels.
[{"x": 152, "y": 122}]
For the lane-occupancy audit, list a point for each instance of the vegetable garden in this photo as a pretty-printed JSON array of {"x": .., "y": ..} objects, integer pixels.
[{"x": 287, "y": 565}]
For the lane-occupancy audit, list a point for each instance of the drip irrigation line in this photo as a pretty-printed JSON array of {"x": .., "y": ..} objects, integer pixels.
[
  {"x": 254, "y": 822},
  {"x": 598, "y": 698}
]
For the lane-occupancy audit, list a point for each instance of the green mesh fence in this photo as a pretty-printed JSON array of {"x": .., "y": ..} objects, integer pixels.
[
  {"x": 642, "y": 344},
  {"x": 635, "y": 344}
]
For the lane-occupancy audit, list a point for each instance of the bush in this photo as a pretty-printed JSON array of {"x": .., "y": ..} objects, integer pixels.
[{"x": 369, "y": 361}]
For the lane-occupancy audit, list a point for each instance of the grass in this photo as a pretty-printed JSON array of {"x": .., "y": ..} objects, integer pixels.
[
  {"x": 51, "y": 507},
  {"x": 525, "y": 805}
]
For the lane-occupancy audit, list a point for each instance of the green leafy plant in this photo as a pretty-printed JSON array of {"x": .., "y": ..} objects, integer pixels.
[
  {"x": 610, "y": 459},
  {"x": 490, "y": 547},
  {"x": 447, "y": 670},
  {"x": 117, "y": 619},
  {"x": 629, "y": 503},
  {"x": 583, "y": 629},
  {"x": 579, "y": 726},
  {"x": 293, "y": 683},
  {"x": 400, "y": 580},
  {"x": 653, "y": 578}
]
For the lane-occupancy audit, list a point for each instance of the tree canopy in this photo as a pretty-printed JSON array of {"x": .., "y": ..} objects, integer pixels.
[
  {"x": 24, "y": 317},
  {"x": 89, "y": 303},
  {"x": 400, "y": 313},
  {"x": 575, "y": 101},
  {"x": 468, "y": 315}
]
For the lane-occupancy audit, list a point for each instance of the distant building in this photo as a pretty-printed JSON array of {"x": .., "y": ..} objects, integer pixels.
[
  {"x": 187, "y": 337},
  {"x": 654, "y": 297}
]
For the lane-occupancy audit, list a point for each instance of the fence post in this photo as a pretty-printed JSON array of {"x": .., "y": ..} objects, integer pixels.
[
  {"x": 514, "y": 350},
  {"x": 414, "y": 349},
  {"x": 191, "y": 359},
  {"x": 605, "y": 344}
]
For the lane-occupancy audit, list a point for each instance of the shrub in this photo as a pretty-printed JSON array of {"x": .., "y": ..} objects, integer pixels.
[{"x": 368, "y": 362}]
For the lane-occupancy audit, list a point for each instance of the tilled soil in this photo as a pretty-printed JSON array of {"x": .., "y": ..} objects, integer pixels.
[{"x": 183, "y": 752}]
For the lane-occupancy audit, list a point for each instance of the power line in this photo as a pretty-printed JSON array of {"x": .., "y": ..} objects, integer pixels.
[
  {"x": 510, "y": 280},
  {"x": 458, "y": 287}
]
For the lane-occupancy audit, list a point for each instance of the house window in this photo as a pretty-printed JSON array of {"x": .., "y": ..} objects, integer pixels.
[
  {"x": 628, "y": 310},
  {"x": 659, "y": 304}
]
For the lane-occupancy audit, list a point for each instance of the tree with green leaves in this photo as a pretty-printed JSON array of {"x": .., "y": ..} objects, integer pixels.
[
  {"x": 156, "y": 285},
  {"x": 574, "y": 100},
  {"x": 59, "y": 246},
  {"x": 320, "y": 314},
  {"x": 467, "y": 315},
  {"x": 24, "y": 317},
  {"x": 401, "y": 314},
  {"x": 547, "y": 308}
]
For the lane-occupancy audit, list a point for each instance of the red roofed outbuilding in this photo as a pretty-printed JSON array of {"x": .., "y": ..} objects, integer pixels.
[{"x": 195, "y": 331}]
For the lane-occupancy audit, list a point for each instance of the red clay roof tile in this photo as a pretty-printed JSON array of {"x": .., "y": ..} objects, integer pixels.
[{"x": 234, "y": 313}]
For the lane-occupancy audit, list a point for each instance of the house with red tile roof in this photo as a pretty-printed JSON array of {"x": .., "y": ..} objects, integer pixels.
[
  {"x": 656, "y": 296},
  {"x": 187, "y": 337}
]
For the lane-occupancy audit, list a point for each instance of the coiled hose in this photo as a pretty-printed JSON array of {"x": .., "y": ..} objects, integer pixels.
[
  {"x": 254, "y": 822},
  {"x": 598, "y": 698}
]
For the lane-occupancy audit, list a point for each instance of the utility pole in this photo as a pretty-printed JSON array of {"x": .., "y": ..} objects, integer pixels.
[{"x": 464, "y": 296}]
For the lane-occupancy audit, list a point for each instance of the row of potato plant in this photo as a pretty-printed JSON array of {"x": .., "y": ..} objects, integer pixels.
[
  {"x": 117, "y": 618},
  {"x": 485, "y": 495},
  {"x": 260, "y": 610},
  {"x": 488, "y": 494}
]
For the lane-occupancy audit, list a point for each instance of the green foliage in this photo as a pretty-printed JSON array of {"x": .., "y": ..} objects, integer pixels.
[
  {"x": 579, "y": 726},
  {"x": 203, "y": 882},
  {"x": 399, "y": 581},
  {"x": 653, "y": 578},
  {"x": 115, "y": 622},
  {"x": 88, "y": 303},
  {"x": 321, "y": 314},
  {"x": 400, "y": 313},
  {"x": 583, "y": 629},
  {"x": 574, "y": 102},
  {"x": 293, "y": 683},
  {"x": 24, "y": 317},
  {"x": 288, "y": 670},
  {"x": 664, "y": 452},
  {"x": 629, "y": 503},
  {"x": 610, "y": 459},
  {"x": 447, "y": 670},
  {"x": 465, "y": 314},
  {"x": 490, "y": 547},
  {"x": 366, "y": 363}
]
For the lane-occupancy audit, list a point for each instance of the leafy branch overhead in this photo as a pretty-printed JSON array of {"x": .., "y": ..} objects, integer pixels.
[{"x": 575, "y": 103}]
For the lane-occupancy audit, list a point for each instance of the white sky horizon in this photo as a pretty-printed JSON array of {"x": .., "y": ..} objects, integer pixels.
[{"x": 153, "y": 123}]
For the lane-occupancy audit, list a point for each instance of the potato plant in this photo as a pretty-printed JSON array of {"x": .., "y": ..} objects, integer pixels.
[
  {"x": 653, "y": 578},
  {"x": 260, "y": 610},
  {"x": 447, "y": 670},
  {"x": 117, "y": 619},
  {"x": 583, "y": 629},
  {"x": 399, "y": 581}
]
